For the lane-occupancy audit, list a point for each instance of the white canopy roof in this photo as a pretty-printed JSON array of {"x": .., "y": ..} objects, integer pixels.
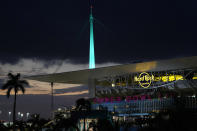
[{"x": 82, "y": 76}]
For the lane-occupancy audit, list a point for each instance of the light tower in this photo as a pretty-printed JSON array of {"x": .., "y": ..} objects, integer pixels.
[
  {"x": 91, "y": 53},
  {"x": 91, "y": 81}
]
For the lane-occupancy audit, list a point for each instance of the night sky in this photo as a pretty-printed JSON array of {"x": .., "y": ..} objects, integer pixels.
[
  {"x": 48, "y": 36},
  {"x": 124, "y": 30}
]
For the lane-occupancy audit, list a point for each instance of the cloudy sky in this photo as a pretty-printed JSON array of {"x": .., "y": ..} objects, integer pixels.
[
  {"x": 41, "y": 37},
  {"x": 37, "y": 97}
]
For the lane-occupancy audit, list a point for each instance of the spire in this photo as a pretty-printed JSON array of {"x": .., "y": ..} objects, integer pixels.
[{"x": 91, "y": 53}]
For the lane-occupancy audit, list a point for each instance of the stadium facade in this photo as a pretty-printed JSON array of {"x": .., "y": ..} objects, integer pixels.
[{"x": 131, "y": 89}]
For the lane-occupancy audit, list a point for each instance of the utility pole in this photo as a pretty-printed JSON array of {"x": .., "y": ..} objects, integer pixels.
[{"x": 52, "y": 99}]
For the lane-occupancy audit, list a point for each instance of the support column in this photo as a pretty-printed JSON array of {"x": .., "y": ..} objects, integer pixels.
[{"x": 91, "y": 87}]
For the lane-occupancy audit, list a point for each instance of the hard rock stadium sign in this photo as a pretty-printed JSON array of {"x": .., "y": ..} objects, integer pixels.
[{"x": 144, "y": 79}]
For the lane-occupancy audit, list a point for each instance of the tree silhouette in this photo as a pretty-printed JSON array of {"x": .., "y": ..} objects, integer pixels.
[
  {"x": 16, "y": 84},
  {"x": 37, "y": 122},
  {"x": 84, "y": 106}
]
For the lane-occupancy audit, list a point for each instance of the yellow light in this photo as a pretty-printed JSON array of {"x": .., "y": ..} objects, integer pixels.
[
  {"x": 195, "y": 77},
  {"x": 164, "y": 78},
  {"x": 144, "y": 79}
]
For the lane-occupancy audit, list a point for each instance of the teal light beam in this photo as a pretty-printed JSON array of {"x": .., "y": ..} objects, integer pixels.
[{"x": 91, "y": 53}]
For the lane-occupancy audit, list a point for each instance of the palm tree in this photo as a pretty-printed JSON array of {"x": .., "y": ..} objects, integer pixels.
[{"x": 15, "y": 83}]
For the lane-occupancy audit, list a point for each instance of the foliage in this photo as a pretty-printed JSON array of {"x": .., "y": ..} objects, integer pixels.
[{"x": 14, "y": 83}]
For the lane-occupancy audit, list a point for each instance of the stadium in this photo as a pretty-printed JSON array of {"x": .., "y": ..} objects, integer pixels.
[{"x": 138, "y": 88}]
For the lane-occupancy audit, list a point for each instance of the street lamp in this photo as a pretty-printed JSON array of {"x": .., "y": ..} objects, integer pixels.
[
  {"x": 22, "y": 116},
  {"x": 19, "y": 114},
  {"x": 28, "y": 115},
  {"x": 9, "y": 113}
]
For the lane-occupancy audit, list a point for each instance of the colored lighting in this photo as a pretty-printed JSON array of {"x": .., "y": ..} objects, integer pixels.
[{"x": 91, "y": 53}]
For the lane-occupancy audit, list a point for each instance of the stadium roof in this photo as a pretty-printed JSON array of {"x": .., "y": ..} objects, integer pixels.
[{"x": 82, "y": 76}]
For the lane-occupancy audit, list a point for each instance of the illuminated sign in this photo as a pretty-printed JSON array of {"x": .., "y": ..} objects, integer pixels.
[
  {"x": 134, "y": 98},
  {"x": 144, "y": 79}
]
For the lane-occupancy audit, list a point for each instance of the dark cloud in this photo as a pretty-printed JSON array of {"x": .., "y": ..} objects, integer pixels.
[
  {"x": 39, "y": 66},
  {"x": 124, "y": 30}
]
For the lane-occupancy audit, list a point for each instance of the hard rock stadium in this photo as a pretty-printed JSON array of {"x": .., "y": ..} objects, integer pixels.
[{"x": 137, "y": 88}]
